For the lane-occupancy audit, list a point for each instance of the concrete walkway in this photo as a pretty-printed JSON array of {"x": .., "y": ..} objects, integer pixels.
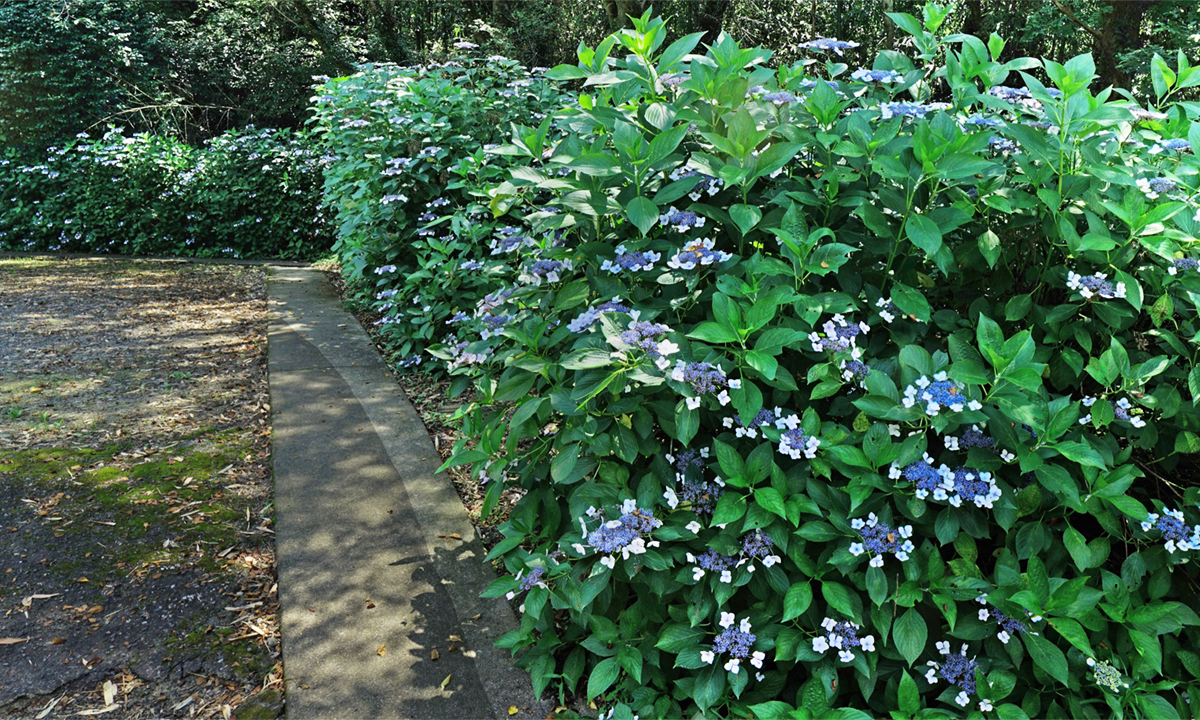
[{"x": 367, "y": 589}]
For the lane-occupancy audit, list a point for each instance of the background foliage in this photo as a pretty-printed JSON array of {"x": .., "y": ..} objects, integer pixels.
[{"x": 246, "y": 194}]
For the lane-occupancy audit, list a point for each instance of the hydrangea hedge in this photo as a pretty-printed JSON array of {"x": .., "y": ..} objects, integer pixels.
[
  {"x": 250, "y": 193},
  {"x": 838, "y": 393},
  {"x": 407, "y": 179}
]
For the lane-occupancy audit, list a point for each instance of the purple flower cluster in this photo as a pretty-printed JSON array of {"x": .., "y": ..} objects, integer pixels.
[
  {"x": 781, "y": 97},
  {"x": 842, "y": 635},
  {"x": 1009, "y": 626},
  {"x": 1184, "y": 264},
  {"x": 681, "y": 220},
  {"x": 650, "y": 339},
  {"x": 1179, "y": 145},
  {"x": 714, "y": 562},
  {"x": 697, "y": 253},
  {"x": 702, "y": 495},
  {"x": 828, "y": 44},
  {"x": 1153, "y": 187},
  {"x": 545, "y": 271},
  {"x": 796, "y": 444},
  {"x": 533, "y": 579},
  {"x": 1174, "y": 531},
  {"x": 589, "y": 317},
  {"x": 889, "y": 110},
  {"x": 706, "y": 185},
  {"x": 855, "y": 371},
  {"x": 630, "y": 261},
  {"x": 493, "y": 324},
  {"x": 510, "y": 239},
  {"x": 757, "y": 544},
  {"x": 1095, "y": 285},
  {"x": 876, "y": 76},
  {"x": 737, "y": 643},
  {"x": 1000, "y": 144},
  {"x": 956, "y": 669},
  {"x": 966, "y": 484},
  {"x": 839, "y": 336},
  {"x": 704, "y": 378},
  {"x": 624, "y": 535},
  {"x": 879, "y": 539},
  {"x": 764, "y": 418},
  {"x": 938, "y": 393}
]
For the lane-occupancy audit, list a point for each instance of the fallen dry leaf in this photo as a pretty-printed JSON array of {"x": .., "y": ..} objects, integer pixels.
[
  {"x": 110, "y": 692},
  {"x": 12, "y": 641},
  {"x": 433, "y": 654},
  {"x": 49, "y": 707},
  {"x": 446, "y": 682},
  {"x": 512, "y": 710},
  {"x": 455, "y": 638},
  {"x": 452, "y": 647},
  {"x": 382, "y": 650},
  {"x": 58, "y": 641},
  {"x": 99, "y": 711}
]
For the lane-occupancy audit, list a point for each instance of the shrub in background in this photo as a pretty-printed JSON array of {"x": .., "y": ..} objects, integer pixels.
[
  {"x": 828, "y": 400},
  {"x": 246, "y": 194},
  {"x": 406, "y": 183}
]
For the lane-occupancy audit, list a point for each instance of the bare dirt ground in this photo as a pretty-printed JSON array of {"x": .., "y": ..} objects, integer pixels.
[{"x": 137, "y": 570}]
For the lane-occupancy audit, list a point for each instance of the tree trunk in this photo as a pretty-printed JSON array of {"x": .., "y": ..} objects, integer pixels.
[{"x": 1121, "y": 31}]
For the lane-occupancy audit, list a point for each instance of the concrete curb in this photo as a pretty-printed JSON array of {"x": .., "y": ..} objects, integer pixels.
[{"x": 359, "y": 509}]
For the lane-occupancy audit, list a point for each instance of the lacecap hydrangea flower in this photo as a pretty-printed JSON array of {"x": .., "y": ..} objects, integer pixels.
[
  {"x": 941, "y": 392},
  {"x": 624, "y": 535},
  {"x": 591, "y": 316},
  {"x": 1177, "y": 534},
  {"x": 1184, "y": 264},
  {"x": 876, "y": 76},
  {"x": 956, "y": 669},
  {"x": 1153, "y": 187},
  {"x": 1009, "y": 626},
  {"x": 704, "y": 378},
  {"x": 838, "y": 335},
  {"x": 681, "y": 220},
  {"x": 1106, "y": 675},
  {"x": 1179, "y": 145},
  {"x": 736, "y": 641},
  {"x": 879, "y": 539},
  {"x": 630, "y": 261},
  {"x": 764, "y": 418},
  {"x": 650, "y": 338},
  {"x": 842, "y": 635},
  {"x": 697, "y": 253},
  {"x": 1096, "y": 285},
  {"x": 828, "y": 44},
  {"x": 953, "y": 486}
]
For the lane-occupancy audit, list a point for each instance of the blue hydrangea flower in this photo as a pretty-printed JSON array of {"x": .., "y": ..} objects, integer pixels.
[
  {"x": 625, "y": 535},
  {"x": 855, "y": 371},
  {"x": 630, "y": 261},
  {"x": 1153, "y": 187},
  {"x": 941, "y": 392},
  {"x": 703, "y": 496},
  {"x": 838, "y": 336},
  {"x": 545, "y": 271},
  {"x": 1008, "y": 626},
  {"x": 470, "y": 265},
  {"x": 1184, "y": 264},
  {"x": 706, "y": 185},
  {"x": 983, "y": 121},
  {"x": 956, "y": 669},
  {"x": 737, "y": 643},
  {"x": 591, "y": 316},
  {"x": 650, "y": 338},
  {"x": 828, "y": 44},
  {"x": 796, "y": 444},
  {"x": 879, "y": 539},
  {"x": 714, "y": 562},
  {"x": 493, "y": 324},
  {"x": 889, "y": 110},
  {"x": 1002, "y": 145},
  {"x": 681, "y": 220},
  {"x": 704, "y": 378},
  {"x": 876, "y": 76},
  {"x": 842, "y": 635},
  {"x": 385, "y": 269},
  {"x": 758, "y": 545},
  {"x": 695, "y": 254},
  {"x": 410, "y": 362},
  {"x": 764, "y": 418},
  {"x": 1179, "y": 145},
  {"x": 1174, "y": 531},
  {"x": 510, "y": 239},
  {"x": 781, "y": 97},
  {"x": 1096, "y": 285}
]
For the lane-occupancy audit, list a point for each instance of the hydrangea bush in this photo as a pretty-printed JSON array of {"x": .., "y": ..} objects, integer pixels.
[
  {"x": 406, "y": 181},
  {"x": 246, "y": 194},
  {"x": 833, "y": 392}
]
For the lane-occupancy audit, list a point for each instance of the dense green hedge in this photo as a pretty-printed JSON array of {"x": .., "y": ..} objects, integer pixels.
[
  {"x": 246, "y": 194},
  {"x": 825, "y": 399}
]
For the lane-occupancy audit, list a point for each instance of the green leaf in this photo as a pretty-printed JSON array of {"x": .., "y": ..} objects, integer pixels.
[
  {"x": 839, "y": 598},
  {"x": 1077, "y": 546},
  {"x": 911, "y": 302},
  {"x": 603, "y": 676},
  {"x": 989, "y": 247},
  {"x": 745, "y": 217},
  {"x": 1074, "y": 634},
  {"x": 771, "y": 500},
  {"x": 924, "y": 233},
  {"x": 1149, "y": 648},
  {"x": 714, "y": 333},
  {"x": 772, "y": 710},
  {"x": 1047, "y": 656},
  {"x": 909, "y": 695},
  {"x": 876, "y": 585},
  {"x": 799, "y": 597},
  {"x": 642, "y": 213},
  {"x": 1080, "y": 453},
  {"x": 586, "y": 359},
  {"x": 909, "y": 634},
  {"x": 1187, "y": 442}
]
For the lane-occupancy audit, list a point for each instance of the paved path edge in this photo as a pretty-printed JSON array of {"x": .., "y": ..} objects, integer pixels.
[{"x": 438, "y": 509}]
